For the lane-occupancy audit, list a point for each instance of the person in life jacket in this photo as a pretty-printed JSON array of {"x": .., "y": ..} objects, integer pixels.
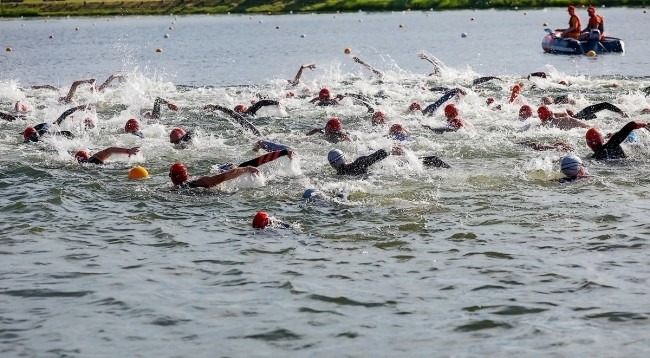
[
  {"x": 596, "y": 22},
  {"x": 574, "y": 25}
]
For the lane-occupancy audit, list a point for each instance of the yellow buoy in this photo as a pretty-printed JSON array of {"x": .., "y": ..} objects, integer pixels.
[
  {"x": 9, "y": 49},
  {"x": 138, "y": 172},
  {"x": 347, "y": 51},
  {"x": 591, "y": 53},
  {"x": 158, "y": 49}
]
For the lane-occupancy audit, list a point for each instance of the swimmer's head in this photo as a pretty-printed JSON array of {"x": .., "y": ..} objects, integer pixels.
[
  {"x": 21, "y": 107},
  {"x": 308, "y": 193},
  {"x": 324, "y": 94},
  {"x": 571, "y": 8},
  {"x": 261, "y": 220},
  {"x": 89, "y": 123},
  {"x": 178, "y": 173},
  {"x": 378, "y": 118},
  {"x": 525, "y": 112},
  {"x": 176, "y": 135},
  {"x": 415, "y": 107},
  {"x": 132, "y": 126},
  {"x": 451, "y": 111},
  {"x": 571, "y": 166},
  {"x": 397, "y": 131},
  {"x": 594, "y": 138},
  {"x": 29, "y": 134},
  {"x": 336, "y": 158},
  {"x": 591, "y": 10},
  {"x": 544, "y": 113},
  {"x": 333, "y": 126},
  {"x": 489, "y": 101},
  {"x": 241, "y": 109},
  {"x": 81, "y": 156}
]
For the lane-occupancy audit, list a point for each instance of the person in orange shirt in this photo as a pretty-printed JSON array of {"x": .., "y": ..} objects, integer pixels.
[
  {"x": 596, "y": 22},
  {"x": 574, "y": 25}
]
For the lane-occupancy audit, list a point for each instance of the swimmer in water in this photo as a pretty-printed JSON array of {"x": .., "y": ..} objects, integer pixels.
[
  {"x": 179, "y": 135},
  {"x": 155, "y": 114},
  {"x": 559, "y": 120},
  {"x": 374, "y": 70},
  {"x": 102, "y": 156},
  {"x": 333, "y": 131},
  {"x": 133, "y": 126},
  {"x": 456, "y": 92},
  {"x": 454, "y": 122},
  {"x": 612, "y": 148},
  {"x": 247, "y": 112},
  {"x": 360, "y": 166},
  {"x": 262, "y": 220},
  {"x": 180, "y": 177},
  {"x": 33, "y": 134},
  {"x": 296, "y": 79},
  {"x": 571, "y": 166},
  {"x": 325, "y": 98}
]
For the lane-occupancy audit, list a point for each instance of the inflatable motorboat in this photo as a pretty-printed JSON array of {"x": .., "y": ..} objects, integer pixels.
[{"x": 553, "y": 43}]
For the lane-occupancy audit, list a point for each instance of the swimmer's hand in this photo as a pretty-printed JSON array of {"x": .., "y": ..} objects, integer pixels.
[{"x": 133, "y": 151}]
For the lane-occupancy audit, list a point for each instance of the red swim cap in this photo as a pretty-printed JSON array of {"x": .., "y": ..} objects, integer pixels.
[
  {"x": 81, "y": 156},
  {"x": 176, "y": 135},
  {"x": 240, "y": 108},
  {"x": 261, "y": 220},
  {"x": 451, "y": 111},
  {"x": 378, "y": 118},
  {"x": 324, "y": 94},
  {"x": 333, "y": 126},
  {"x": 28, "y": 132},
  {"x": 132, "y": 126},
  {"x": 489, "y": 101},
  {"x": 396, "y": 129},
  {"x": 544, "y": 113},
  {"x": 515, "y": 92},
  {"x": 415, "y": 107},
  {"x": 594, "y": 138},
  {"x": 525, "y": 112},
  {"x": 178, "y": 173}
]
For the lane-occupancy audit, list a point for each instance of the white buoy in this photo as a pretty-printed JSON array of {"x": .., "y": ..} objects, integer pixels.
[
  {"x": 303, "y": 36},
  {"x": 464, "y": 34},
  {"x": 166, "y": 36}
]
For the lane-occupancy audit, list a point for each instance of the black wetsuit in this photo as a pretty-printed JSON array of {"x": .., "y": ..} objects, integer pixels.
[
  {"x": 259, "y": 104},
  {"x": 480, "y": 80},
  {"x": 433, "y": 161},
  {"x": 268, "y": 157},
  {"x": 327, "y": 102},
  {"x": 43, "y": 129},
  {"x": 435, "y": 105},
  {"x": 590, "y": 111},
  {"x": 7, "y": 116},
  {"x": 612, "y": 149},
  {"x": 361, "y": 164},
  {"x": 91, "y": 160}
]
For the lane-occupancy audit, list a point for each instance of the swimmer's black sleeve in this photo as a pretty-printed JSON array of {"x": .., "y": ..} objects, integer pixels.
[
  {"x": 480, "y": 80},
  {"x": 155, "y": 114},
  {"x": 361, "y": 164},
  {"x": 268, "y": 157},
  {"x": 68, "y": 112},
  {"x": 612, "y": 149},
  {"x": 590, "y": 111},
  {"x": 259, "y": 104},
  {"x": 435, "y": 105},
  {"x": 433, "y": 161},
  {"x": 7, "y": 116},
  {"x": 238, "y": 117}
]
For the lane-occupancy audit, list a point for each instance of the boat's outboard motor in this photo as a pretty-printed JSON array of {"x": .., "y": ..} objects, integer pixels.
[
  {"x": 593, "y": 43},
  {"x": 594, "y": 35}
]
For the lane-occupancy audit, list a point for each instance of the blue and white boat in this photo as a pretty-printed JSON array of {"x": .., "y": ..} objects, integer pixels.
[{"x": 553, "y": 43}]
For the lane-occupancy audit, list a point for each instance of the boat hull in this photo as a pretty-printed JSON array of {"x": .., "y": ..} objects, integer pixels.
[{"x": 552, "y": 43}]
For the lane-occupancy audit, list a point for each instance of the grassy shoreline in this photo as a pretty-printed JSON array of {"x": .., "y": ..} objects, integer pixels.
[{"x": 43, "y": 8}]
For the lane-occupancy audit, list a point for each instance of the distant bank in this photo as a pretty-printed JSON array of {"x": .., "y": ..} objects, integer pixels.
[{"x": 40, "y": 8}]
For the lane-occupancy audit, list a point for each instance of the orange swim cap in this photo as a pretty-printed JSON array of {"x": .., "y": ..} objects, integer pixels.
[
  {"x": 178, "y": 173},
  {"x": 544, "y": 113},
  {"x": 333, "y": 126},
  {"x": 81, "y": 155},
  {"x": 176, "y": 135},
  {"x": 378, "y": 118},
  {"x": 240, "y": 108},
  {"x": 451, "y": 111},
  {"x": 28, "y": 132},
  {"x": 525, "y": 112},
  {"x": 594, "y": 138},
  {"x": 415, "y": 107},
  {"x": 261, "y": 220},
  {"x": 324, "y": 94},
  {"x": 132, "y": 126}
]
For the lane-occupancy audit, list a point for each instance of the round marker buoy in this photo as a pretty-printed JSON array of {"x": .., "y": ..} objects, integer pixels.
[
  {"x": 166, "y": 36},
  {"x": 347, "y": 51},
  {"x": 9, "y": 49},
  {"x": 51, "y": 36},
  {"x": 138, "y": 172},
  {"x": 303, "y": 36},
  {"x": 76, "y": 29},
  {"x": 401, "y": 26},
  {"x": 464, "y": 34},
  {"x": 591, "y": 53},
  {"x": 158, "y": 49},
  {"x": 545, "y": 24},
  {"x": 277, "y": 27}
]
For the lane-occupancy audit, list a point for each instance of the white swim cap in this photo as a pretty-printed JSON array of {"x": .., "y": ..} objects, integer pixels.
[
  {"x": 336, "y": 158},
  {"x": 570, "y": 165}
]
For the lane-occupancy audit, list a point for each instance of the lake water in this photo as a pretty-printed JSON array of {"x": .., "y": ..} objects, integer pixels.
[{"x": 490, "y": 258}]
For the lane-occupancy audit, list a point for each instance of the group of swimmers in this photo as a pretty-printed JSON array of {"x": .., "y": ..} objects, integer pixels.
[{"x": 604, "y": 147}]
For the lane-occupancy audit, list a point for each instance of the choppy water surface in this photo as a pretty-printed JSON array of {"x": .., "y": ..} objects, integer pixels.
[{"x": 491, "y": 257}]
